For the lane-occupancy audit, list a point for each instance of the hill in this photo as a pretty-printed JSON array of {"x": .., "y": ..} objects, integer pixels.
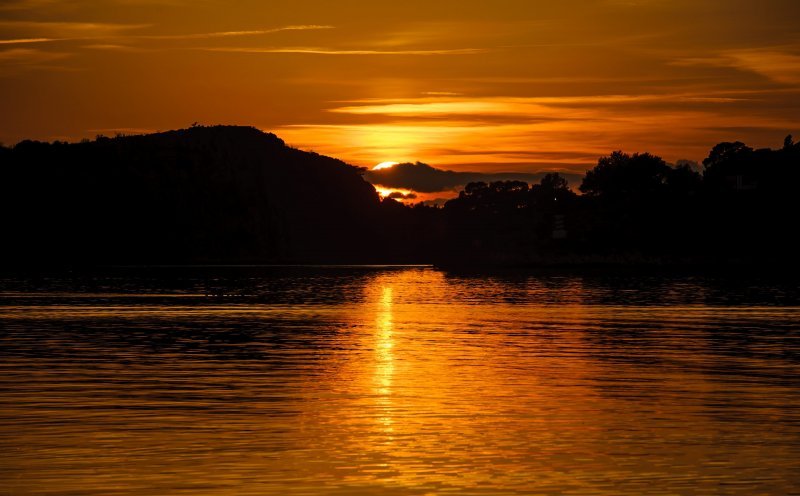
[{"x": 221, "y": 194}]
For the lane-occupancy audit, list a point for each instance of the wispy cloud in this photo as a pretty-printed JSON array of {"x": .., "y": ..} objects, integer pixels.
[
  {"x": 38, "y": 5},
  {"x": 27, "y": 56},
  {"x": 18, "y": 60},
  {"x": 115, "y": 47},
  {"x": 565, "y": 133},
  {"x": 448, "y": 106},
  {"x": 119, "y": 37},
  {"x": 778, "y": 65},
  {"x": 26, "y": 4},
  {"x": 72, "y": 31},
  {"x": 69, "y": 29},
  {"x": 230, "y": 34},
  {"x": 50, "y": 32},
  {"x": 334, "y": 51},
  {"x": 21, "y": 41}
]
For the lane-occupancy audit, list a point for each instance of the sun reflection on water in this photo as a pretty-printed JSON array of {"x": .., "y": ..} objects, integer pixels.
[{"x": 384, "y": 359}]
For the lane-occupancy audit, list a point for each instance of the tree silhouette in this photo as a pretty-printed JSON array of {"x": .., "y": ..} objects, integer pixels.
[
  {"x": 727, "y": 152},
  {"x": 552, "y": 187},
  {"x": 620, "y": 174}
]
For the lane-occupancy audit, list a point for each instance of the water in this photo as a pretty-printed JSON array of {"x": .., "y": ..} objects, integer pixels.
[{"x": 373, "y": 380}]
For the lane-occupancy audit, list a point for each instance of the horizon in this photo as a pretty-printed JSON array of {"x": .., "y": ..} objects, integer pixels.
[
  {"x": 462, "y": 86},
  {"x": 420, "y": 183},
  {"x": 411, "y": 183}
]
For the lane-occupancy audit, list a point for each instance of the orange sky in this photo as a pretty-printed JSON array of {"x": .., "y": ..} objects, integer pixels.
[{"x": 511, "y": 85}]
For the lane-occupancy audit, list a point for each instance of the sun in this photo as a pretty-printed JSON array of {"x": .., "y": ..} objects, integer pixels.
[{"x": 384, "y": 165}]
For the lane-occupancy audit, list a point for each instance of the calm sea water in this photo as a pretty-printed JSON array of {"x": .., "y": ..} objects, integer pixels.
[{"x": 376, "y": 380}]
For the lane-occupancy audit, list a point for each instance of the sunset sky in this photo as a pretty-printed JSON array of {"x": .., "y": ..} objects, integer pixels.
[{"x": 502, "y": 85}]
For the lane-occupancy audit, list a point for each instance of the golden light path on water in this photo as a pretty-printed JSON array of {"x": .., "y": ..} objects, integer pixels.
[
  {"x": 384, "y": 368},
  {"x": 400, "y": 381}
]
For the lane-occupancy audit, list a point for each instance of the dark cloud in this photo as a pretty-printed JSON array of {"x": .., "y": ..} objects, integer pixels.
[
  {"x": 426, "y": 179},
  {"x": 396, "y": 195}
]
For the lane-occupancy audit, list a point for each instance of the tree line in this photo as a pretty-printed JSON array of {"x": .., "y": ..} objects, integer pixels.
[{"x": 742, "y": 207}]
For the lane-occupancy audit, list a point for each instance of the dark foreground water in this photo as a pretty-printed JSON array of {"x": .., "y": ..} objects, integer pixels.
[{"x": 257, "y": 381}]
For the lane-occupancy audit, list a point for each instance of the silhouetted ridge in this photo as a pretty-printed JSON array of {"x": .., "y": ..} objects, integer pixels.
[{"x": 220, "y": 193}]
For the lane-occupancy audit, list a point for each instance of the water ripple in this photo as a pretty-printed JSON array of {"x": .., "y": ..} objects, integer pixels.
[{"x": 397, "y": 381}]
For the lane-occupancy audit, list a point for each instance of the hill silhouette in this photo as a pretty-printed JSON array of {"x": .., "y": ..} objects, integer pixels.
[{"x": 222, "y": 194}]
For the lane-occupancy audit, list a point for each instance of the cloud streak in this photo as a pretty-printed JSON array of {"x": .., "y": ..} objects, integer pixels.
[
  {"x": 334, "y": 51},
  {"x": 11, "y": 5},
  {"x": 52, "y": 32},
  {"x": 27, "y": 56},
  {"x": 556, "y": 133},
  {"x": 75, "y": 31},
  {"x": 518, "y": 106},
  {"x": 19, "y": 60},
  {"x": 23, "y": 5},
  {"x": 231, "y": 34},
  {"x": 21, "y": 41},
  {"x": 70, "y": 29},
  {"x": 776, "y": 65},
  {"x": 780, "y": 66}
]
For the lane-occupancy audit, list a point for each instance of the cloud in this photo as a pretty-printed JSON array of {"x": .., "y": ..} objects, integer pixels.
[
  {"x": 777, "y": 65},
  {"x": 27, "y": 56},
  {"x": 550, "y": 133},
  {"x": 17, "y": 60},
  {"x": 335, "y": 51},
  {"x": 426, "y": 179},
  {"x": 115, "y": 47},
  {"x": 398, "y": 195},
  {"x": 39, "y": 5},
  {"x": 68, "y": 30},
  {"x": 230, "y": 34},
  {"x": 26, "y": 4},
  {"x": 555, "y": 133},
  {"x": 20, "y": 41},
  {"x": 72, "y": 31},
  {"x": 110, "y": 36},
  {"x": 448, "y": 106},
  {"x": 52, "y": 32}
]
